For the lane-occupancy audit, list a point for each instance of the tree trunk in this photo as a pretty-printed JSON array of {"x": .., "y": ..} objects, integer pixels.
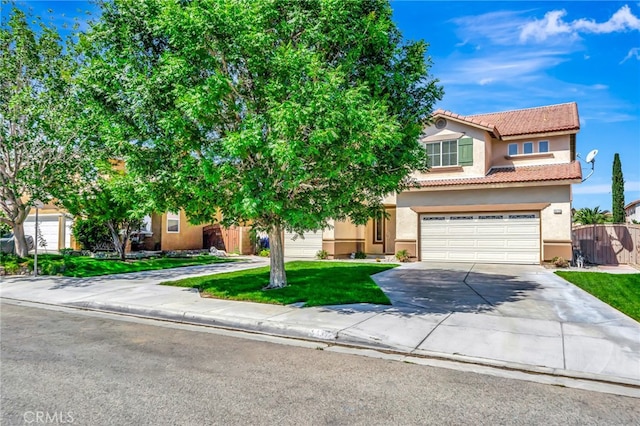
[
  {"x": 277, "y": 275},
  {"x": 117, "y": 244},
  {"x": 20, "y": 241}
]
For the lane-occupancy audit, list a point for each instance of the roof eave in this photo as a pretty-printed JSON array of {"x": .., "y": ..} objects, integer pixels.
[
  {"x": 458, "y": 187},
  {"x": 462, "y": 120}
]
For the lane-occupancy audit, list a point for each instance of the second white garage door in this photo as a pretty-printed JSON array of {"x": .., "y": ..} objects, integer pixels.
[
  {"x": 302, "y": 247},
  {"x": 510, "y": 237}
]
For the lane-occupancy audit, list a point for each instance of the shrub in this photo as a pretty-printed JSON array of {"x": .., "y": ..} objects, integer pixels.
[
  {"x": 67, "y": 251},
  {"x": 322, "y": 254},
  {"x": 402, "y": 255},
  {"x": 91, "y": 234},
  {"x": 264, "y": 253},
  {"x": 11, "y": 263},
  {"x": 4, "y": 229},
  {"x": 360, "y": 255},
  {"x": 560, "y": 262}
]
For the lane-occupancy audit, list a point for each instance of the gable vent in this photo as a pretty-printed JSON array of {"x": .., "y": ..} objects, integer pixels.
[{"x": 441, "y": 123}]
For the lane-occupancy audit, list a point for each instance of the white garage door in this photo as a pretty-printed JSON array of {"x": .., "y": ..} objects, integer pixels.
[
  {"x": 302, "y": 247},
  {"x": 510, "y": 237},
  {"x": 49, "y": 227}
]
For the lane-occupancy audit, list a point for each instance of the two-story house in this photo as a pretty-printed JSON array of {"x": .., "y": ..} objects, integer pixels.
[{"x": 498, "y": 191}]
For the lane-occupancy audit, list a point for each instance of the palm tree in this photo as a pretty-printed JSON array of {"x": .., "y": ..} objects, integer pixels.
[{"x": 587, "y": 216}]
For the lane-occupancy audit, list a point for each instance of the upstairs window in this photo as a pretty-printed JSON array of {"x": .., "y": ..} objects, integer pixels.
[
  {"x": 513, "y": 149},
  {"x": 543, "y": 146},
  {"x": 527, "y": 148},
  {"x": 442, "y": 154},
  {"x": 173, "y": 222}
]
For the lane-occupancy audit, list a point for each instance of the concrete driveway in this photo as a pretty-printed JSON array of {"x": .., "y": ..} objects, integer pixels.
[{"x": 515, "y": 314}]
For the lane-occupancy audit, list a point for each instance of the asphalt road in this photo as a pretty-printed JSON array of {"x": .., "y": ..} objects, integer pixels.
[{"x": 101, "y": 369}]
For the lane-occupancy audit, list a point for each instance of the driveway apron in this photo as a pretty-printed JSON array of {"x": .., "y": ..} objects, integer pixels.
[{"x": 520, "y": 314}]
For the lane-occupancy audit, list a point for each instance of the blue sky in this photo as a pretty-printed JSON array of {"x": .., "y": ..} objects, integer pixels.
[
  {"x": 496, "y": 56},
  {"x": 501, "y": 55}
]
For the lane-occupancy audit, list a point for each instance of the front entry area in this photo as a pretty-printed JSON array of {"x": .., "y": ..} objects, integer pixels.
[{"x": 488, "y": 237}]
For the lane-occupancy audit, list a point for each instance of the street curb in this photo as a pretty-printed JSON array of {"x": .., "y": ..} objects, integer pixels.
[
  {"x": 334, "y": 337},
  {"x": 236, "y": 323}
]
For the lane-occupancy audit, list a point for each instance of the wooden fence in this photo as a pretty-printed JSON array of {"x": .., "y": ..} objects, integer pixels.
[
  {"x": 227, "y": 239},
  {"x": 608, "y": 244}
]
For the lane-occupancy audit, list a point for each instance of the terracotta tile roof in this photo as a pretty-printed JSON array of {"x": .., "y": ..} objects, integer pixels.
[
  {"x": 552, "y": 118},
  {"x": 469, "y": 119},
  {"x": 498, "y": 175}
]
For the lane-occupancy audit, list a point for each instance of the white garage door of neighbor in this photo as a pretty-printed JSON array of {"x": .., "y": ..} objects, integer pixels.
[
  {"x": 302, "y": 247},
  {"x": 504, "y": 237},
  {"x": 49, "y": 227}
]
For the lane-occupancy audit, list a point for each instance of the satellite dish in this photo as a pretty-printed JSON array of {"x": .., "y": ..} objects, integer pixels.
[{"x": 591, "y": 158}]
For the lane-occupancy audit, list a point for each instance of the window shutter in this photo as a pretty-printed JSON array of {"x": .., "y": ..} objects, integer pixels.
[{"x": 465, "y": 151}]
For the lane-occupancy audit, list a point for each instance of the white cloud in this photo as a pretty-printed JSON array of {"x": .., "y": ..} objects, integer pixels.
[
  {"x": 633, "y": 53},
  {"x": 604, "y": 188},
  {"x": 550, "y": 25},
  {"x": 622, "y": 20},
  {"x": 513, "y": 68},
  {"x": 503, "y": 29},
  {"x": 592, "y": 189},
  {"x": 553, "y": 24}
]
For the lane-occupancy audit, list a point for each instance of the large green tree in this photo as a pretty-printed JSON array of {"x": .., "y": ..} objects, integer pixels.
[
  {"x": 283, "y": 114},
  {"x": 617, "y": 190},
  {"x": 38, "y": 117},
  {"x": 114, "y": 199}
]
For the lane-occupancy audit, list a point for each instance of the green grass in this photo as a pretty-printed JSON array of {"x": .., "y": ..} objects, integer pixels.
[
  {"x": 83, "y": 266},
  {"x": 622, "y": 291},
  {"x": 314, "y": 283}
]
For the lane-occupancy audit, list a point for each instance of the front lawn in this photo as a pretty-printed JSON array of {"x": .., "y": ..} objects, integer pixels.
[
  {"x": 314, "y": 283},
  {"x": 84, "y": 266},
  {"x": 622, "y": 291}
]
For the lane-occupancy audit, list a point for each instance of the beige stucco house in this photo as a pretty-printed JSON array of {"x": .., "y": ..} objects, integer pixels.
[
  {"x": 498, "y": 191},
  {"x": 161, "y": 231}
]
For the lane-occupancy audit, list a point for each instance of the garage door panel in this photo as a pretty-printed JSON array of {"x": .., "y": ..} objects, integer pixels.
[
  {"x": 491, "y": 230},
  {"x": 492, "y": 238},
  {"x": 48, "y": 231},
  {"x": 459, "y": 244},
  {"x": 522, "y": 244},
  {"x": 295, "y": 246},
  {"x": 491, "y": 244}
]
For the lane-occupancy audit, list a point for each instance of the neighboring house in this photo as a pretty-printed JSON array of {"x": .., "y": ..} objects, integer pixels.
[
  {"x": 498, "y": 191},
  {"x": 172, "y": 231},
  {"x": 54, "y": 228},
  {"x": 632, "y": 211},
  {"x": 162, "y": 231}
]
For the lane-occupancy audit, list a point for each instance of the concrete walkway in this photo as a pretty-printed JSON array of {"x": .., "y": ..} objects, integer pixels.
[{"x": 507, "y": 316}]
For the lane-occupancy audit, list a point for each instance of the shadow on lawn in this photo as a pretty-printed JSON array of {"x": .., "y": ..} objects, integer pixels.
[{"x": 439, "y": 291}]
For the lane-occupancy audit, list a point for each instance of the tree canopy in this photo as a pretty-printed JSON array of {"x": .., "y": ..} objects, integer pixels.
[
  {"x": 282, "y": 114},
  {"x": 114, "y": 199},
  {"x": 39, "y": 114}
]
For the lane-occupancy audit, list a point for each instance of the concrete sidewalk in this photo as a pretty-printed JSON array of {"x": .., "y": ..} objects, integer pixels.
[{"x": 513, "y": 317}]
